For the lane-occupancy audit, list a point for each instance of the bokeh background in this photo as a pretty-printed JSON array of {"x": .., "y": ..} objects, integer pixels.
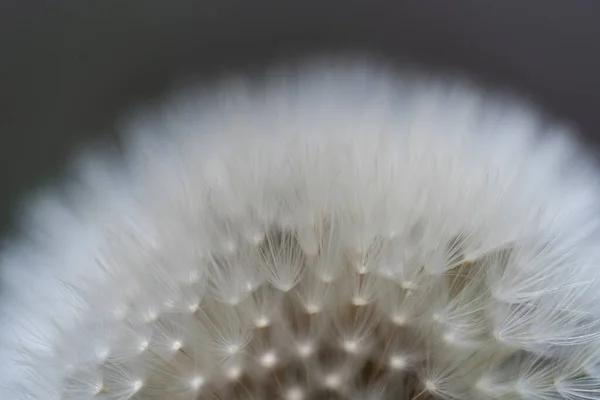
[{"x": 68, "y": 68}]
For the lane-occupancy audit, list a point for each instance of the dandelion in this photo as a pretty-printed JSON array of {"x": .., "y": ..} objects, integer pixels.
[{"x": 341, "y": 230}]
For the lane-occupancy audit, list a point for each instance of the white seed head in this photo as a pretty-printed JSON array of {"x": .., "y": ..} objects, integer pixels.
[{"x": 345, "y": 227}]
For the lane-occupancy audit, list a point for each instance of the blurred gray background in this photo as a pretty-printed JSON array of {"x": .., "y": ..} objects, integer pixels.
[{"x": 68, "y": 67}]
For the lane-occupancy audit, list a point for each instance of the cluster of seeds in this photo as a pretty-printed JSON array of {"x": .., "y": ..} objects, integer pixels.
[
  {"x": 302, "y": 315},
  {"x": 337, "y": 233}
]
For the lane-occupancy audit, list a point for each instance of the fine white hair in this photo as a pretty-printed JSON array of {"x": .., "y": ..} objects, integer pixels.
[{"x": 334, "y": 228}]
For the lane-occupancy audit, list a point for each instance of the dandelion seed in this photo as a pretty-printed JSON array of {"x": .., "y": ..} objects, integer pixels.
[
  {"x": 398, "y": 362},
  {"x": 262, "y": 322},
  {"x": 305, "y": 350},
  {"x": 351, "y": 346},
  {"x": 137, "y": 385},
  {"x": 359, "y": 301},
  {"x": 399, "y": 319},
  {"x": 234, "y": 373},
  {"x": 295, "y": 394},
  {"x": 196, "y": 383},
  {"x": 268, "y": 360},
  {"x": 333, "y": 381},
  {"x": 312, "y": 308}
]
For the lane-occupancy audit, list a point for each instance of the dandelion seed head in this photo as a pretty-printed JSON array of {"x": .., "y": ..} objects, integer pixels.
[{"x": 330, "y": 231}]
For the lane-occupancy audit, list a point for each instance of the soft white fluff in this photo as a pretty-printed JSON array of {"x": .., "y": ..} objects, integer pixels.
[{"x": 335, "y": 229}]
